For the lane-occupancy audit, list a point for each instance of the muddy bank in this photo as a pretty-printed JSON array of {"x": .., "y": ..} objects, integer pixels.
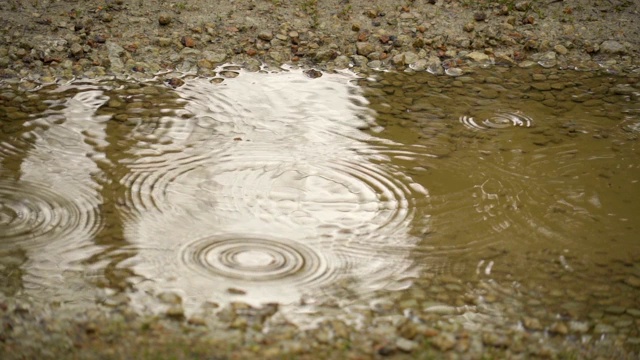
[{"x": 65, "y": 39}]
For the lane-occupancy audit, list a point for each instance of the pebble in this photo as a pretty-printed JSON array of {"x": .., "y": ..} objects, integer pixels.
[
  {"x": 265, "y": 35},
  {"x": 532, "y": 323},
  {"x": 164, "y": 19},
  {"x": 603, "y": 329},
  {"x": 188, "y": 41},
  {"x": 632, "y": 281},
  {"x": 364, "y": 48},
  {"x": 444, "y": 341},
  {"x": 496, "y": 340},
  {"x": 612, "y": 47},
  {"x": 406, "y": 345},
  {"x": 170, "y": 298},
  {"x": 175, "y": 311},
  {"x": 578, "y": 327},
  {"x": 477, "y": 56},
  {"x": 559, "y": 328}
]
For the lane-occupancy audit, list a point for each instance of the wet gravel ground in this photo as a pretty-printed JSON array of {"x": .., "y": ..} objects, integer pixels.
[
  {"x": 45, "y": 41},
  {"x": 48, "y": 39}
]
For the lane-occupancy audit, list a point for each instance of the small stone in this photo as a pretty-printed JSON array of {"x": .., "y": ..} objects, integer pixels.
[
  {"x": 398, "y": 60},
  {"x": 265, "y": 35},
  {"x": 205, "y": 64},
  {"x": 444, "y": 341},
  {"x": 76, "y": 49},
  {"x": 493, "y": 339},
  {"x": 175, "y": 312},
  {"x": 522, "y": 5},
  {"x": 364, "y": 48},
  {"x": 633, "y": 281},
  {"x": 623, "y": 89},
  {"x": 531, "y": 323},
  {"x": 420, "y": 65},
  {"x": 164, "y": 19},
  {"x": 612, "y": 47},
  {"x": 375, "y": 64},
  {"x": 107, "y": 17},
  {"x": 188, "y": 41},
  {"x": 603, "y": 329},
  {"x": 312, "y": 73},
  {"x": 163, "y": 42},
  {"x": 441, "y": 310},
  {"x": 170, "y": 298},
  {"x": 616, "y": 310},
  {"x": 578, "y": 327},
  {"x": 342, "y": 62},
  {"x": 559, "y": 328},
  {"x": 175, "y": 82},
  {"x": 236, "y": 291},
  {"x": 197, "y": 320},
  {"x": 634, "y": 312},
  {"x": 480, "y": 16},
  {"x": 541, "y": 86},
  {"x": 560, "y": 49},
  {"x": 454, "y": 71},
  {"x": 477, "y": 56},
  {"x": 469, "y": 27},
  {"x": 406, "y": 345},
  {"x": 539, "y": 77}
]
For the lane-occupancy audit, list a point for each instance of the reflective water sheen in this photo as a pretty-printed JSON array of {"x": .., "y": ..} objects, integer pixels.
[{"x": 277, "y": 187}]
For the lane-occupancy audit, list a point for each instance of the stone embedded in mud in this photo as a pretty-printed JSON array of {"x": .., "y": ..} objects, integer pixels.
[
  {"x": 580, "y": 327},
  {"x": 633, "y": 281},
  {"x": 406, "y": 345},
  {"x": 175, "y": 312},
  {"x": 313, "y": 73},
  {"x": 480, "y": 16},
  {"x": 76, "y": 49},
  {"x": 187, "y": 41},
  {"x": 170, "y": 298},
  {"x": 522, "y": 5},
  {"x": 477, "y": 56},
  {"x": 364, "y": 48},
  {"x": 532, "y": 323},
  {"x": 469, "y": 27},
  {"x": 444, "y": 341},
  {"x": 560, "y": 49},
  {"x": 604, "y": 329},
  {"x": 559, "y": 328},
  {"x": 612, "y": 47},
  {"x": 265, "y": 35},
  {"x": 164, "y": 19}
]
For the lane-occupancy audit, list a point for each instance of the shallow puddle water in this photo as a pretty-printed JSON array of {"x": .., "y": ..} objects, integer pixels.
[{"x": 498, "y": 197}]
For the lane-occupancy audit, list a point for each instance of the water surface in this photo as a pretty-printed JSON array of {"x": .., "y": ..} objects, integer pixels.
[{"x": 284, "y": 188}]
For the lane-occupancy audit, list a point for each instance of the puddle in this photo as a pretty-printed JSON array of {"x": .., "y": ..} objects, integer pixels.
[{"x": 493, "y": 194}]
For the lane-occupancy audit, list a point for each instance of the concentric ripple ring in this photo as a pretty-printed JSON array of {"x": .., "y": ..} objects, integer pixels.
[
  {"x": 253, "y": 259},
  {"x": 498, "y": 121},
  {"x": 31, "y": 215}
]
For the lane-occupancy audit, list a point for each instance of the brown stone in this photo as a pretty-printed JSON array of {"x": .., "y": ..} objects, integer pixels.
[
  {"x": 188, "y": 41},
  {"x": 164, "y": 20}
]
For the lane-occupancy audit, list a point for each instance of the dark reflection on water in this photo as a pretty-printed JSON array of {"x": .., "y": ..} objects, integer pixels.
[{"x": 281, "y": 188}]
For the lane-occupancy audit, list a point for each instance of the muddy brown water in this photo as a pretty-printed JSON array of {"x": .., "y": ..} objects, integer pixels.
[{"x": 490, "y": 189}]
